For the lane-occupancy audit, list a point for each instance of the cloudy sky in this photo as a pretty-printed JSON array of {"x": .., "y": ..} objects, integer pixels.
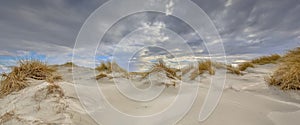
[{"x": 47, "y": 30}]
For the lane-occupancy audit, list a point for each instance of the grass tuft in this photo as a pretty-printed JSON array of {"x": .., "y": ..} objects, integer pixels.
[
  {"x": 243, "y": 66},
  {"x": 7, "y": 117},
  {"x": 161, "y": 66},
  {"x": 17, "y": 79},
  {"x": 287, "y": 75},
  {"x": 106, "y": 68},
  {"x": 55, "y": 89},
  {"x": 233, "y": 70},
  {"x": 203, "y": 66},
  {"x": 69, "y": 64},
  {"x": 102, "y": 75}
]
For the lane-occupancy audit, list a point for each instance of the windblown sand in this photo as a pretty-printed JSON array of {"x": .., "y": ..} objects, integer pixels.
[{"x": 246, "y": 100}]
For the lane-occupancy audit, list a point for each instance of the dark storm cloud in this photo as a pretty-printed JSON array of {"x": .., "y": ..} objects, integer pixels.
[
  {"x": 255, "y": 26},
  {"x": 51, "y": 21},
  {"x": 246, "y": 26}
]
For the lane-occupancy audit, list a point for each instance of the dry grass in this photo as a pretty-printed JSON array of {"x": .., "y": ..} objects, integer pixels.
[
  {"x": 51, "y": 90},
  {"x": 104, "y": 67},
  {"x": 287, "y": 75},
  {"x": 266, "y": 59},
  {"x": 137, "y": 73},
  {"x": 55, "y": 89},
  {"x": 69, "y": 64},
  {"x": 17, "y": 79},
  {"x": 206, "y": 66},
  {"x": 203, "y": 66},
  {"x": 102, "y": 75},
  {"x": 243, "y": 66},
  {"x": 259, "y": 61},
  {"x": 233, "y": 70},
  {"x": 7, "y": 117},
  {"x": 110, "y": 67},
  {"x": 161, "y": 66}
]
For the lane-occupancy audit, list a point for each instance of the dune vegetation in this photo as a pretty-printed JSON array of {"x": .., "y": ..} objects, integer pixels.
[
  {"x": 243, "y": 66},
  {"x": 69, "y": 64},
  {"x": 202, "y": 67},
  {"x": 28, "y": 69},
  {"x": 102, "y": 75},
  {"x": 109, "y": 67},
  {"x": 272, "y": 59},
  {"x": 287, "y": 75},
  {"x": 233, "y": 70},
  {"x": 161, "y": 66},
  {"x": 105, "y": 69},
  {"x": 266, "y": 59}
]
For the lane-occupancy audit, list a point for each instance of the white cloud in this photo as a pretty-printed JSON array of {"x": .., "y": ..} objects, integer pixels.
[
  {"x": 170, "y": 7},
  {"x": 6, "y": 53},
  {"x": 228, "y": 3}
]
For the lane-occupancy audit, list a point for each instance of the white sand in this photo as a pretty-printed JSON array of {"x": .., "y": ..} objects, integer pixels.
[{"x": 246, "y": 100}]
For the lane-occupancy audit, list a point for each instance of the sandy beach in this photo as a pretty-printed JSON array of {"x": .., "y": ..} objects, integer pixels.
[{"x": 246, "y": 100}]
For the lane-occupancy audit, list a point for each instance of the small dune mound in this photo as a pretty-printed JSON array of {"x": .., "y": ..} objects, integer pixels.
[
  {"x": 234, "y": 70},
  {"x": 187, "y": 69},
  {"x": 69, "y": 64},
  {"x": 110, "y": 70},
  {"x": 243, "y": 66},
  {"x": 266, "y": 59},
  {"x": 55, "y": 89},
  {"x": 274, "y": 58},
  {"x": 44, "y": 103},
  {"x": 202, "y": 67},
  {"x": 161, "y": 67},
  {"x": 17, "y": 79},
  {"x": 287, "y": 75}
]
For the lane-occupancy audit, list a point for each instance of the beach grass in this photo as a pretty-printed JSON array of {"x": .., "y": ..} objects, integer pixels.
[
  {"x": 233, "y": 70},
  {"x": 17, "y": 79},
  {"x": 202, "y": 67},
  {"x": 161, "y": 66},
  {"x": 287, "y": 74},
  {"x": 69, "y": 64},
  {"x": 106, "y": 68},
  {"x": 243, "y": 66},
  {"x": 266, "y": 59}
]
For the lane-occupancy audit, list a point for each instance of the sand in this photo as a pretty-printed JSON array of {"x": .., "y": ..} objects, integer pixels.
[{"x": 246, "y": 100}]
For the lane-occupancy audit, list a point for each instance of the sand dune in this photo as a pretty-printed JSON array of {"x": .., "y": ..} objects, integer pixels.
[{"x": 246, "y": 100}]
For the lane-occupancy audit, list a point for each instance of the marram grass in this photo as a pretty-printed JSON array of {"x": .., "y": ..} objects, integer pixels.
[
  {"x": 161, "y": 66},
  {"x": 287, "y": 74},
  {"x": 17, "y": 79},
  {"x": 201, "y": 68}
]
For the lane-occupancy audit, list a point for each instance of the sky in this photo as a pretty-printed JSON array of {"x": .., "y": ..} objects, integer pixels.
[{"x": 47, "y": 30}]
